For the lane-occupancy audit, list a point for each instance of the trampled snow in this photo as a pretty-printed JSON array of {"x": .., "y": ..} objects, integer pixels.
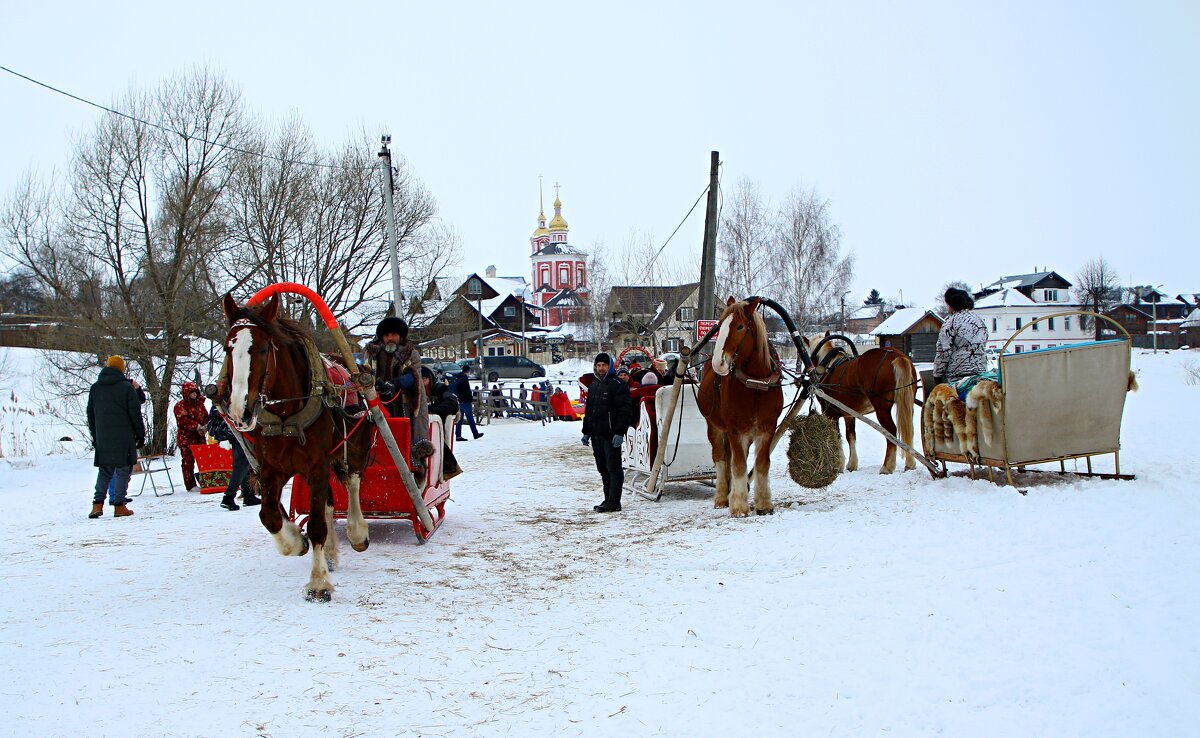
[{"x": 881, "y": 605}]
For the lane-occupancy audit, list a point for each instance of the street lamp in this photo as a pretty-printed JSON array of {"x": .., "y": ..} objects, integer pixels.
[{"x": 475, "y": 288}]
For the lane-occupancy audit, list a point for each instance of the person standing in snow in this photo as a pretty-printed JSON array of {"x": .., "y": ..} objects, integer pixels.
[
  {"x": 466, "y": 404},
  {"x": 190, "y": 419},
  {"x": 114, "y": 415},
  {"x": 608, "y": 414},
  {"x": 961, "y": 341},
  {"x": 239, "y": 475}
]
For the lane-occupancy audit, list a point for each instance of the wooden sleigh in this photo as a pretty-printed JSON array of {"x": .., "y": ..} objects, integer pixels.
[{"x": 1055, "y": 405}]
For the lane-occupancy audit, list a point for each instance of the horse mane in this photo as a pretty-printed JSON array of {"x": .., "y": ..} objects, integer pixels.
[{"x": 282, "y": 330}]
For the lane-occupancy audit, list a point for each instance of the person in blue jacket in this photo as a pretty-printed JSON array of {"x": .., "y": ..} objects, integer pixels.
[{"x": 608, "y": 414}]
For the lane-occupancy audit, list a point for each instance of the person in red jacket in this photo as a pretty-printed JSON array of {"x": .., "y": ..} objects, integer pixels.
[{"x": 190, "y": 419}]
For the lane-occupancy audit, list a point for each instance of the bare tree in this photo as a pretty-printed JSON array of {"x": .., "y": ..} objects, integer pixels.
[
  {"x": 808, "y": 250},
  {"x": 125, "y": 245},
  {"x": 599, "y": 286},
  {"x": 745, "y": 245},
  {"x": 1097, "y": 286}
]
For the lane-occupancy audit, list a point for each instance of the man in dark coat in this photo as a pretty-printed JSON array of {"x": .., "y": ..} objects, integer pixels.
[
  {"x": 396, "y": 362},
  {"x": 114, "y": 417},
  {"x": 608, "y": 414}
]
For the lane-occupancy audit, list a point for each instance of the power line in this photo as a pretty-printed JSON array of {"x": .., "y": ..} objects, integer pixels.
[
  {"x": 170, "y": 130},
  {"x": 689, "y": 212}
]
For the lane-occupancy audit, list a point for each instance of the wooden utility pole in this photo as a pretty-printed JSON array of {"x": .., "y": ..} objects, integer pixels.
[{"x": 708, "y": 260}]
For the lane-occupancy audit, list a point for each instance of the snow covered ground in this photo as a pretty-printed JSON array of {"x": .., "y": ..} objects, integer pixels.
[{"x": 878, "y": 606}]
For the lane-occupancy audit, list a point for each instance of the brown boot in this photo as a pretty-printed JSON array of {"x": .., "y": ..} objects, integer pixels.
[
  {"x": 120, "y": 511},
  {"x": 97, "y": 510}
]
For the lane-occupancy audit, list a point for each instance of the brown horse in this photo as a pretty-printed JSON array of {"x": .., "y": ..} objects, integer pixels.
[
  {"x": 268, "y": 374},
  {"x": 741, "y": 398},
  {"x": 872, "y": 382}
]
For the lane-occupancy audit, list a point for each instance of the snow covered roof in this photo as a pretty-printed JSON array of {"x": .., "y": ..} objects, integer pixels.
[
  {"x": 508, "y": 286},
  {"x": 1192, "y": 320},
  {"x": 901, "y": 320},
  {"x": 1007, "y": 297}
]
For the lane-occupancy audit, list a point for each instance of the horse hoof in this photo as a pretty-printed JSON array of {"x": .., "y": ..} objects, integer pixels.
[
  {"x": 719, "y": 505},
  {"x": 360, "y": 547},
  {"x": 303, "y": 547},
  {"x": 318, "y": 595},
  {"x": 764, "y": 511}
]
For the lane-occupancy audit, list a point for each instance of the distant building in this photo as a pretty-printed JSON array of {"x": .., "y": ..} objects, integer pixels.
[
  {"x": 911, "y": 330},
  {"x": 559, "y": 271},
  {"x": 1011, "y": 303}
]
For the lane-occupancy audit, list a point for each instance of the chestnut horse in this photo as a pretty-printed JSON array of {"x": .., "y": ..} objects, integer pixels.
[
  {"x": 872, "y": 382},
  {"x": 268, "y": 371},
  {"x": 741, "y": 399}
]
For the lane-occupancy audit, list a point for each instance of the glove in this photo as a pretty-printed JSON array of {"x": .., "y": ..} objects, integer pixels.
[
  {"x": 385, "y": 388},
  {"x": 406, "y": 381},
  {"x": 618, "y": 441},
  {"x": 584, "y": 440}
]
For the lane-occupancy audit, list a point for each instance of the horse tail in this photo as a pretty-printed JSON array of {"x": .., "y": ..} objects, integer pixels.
[{"x": 905, "y": 375}]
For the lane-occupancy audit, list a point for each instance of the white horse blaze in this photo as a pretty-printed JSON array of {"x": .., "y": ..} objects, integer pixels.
[
  {"x": 239, "y": 348},
  {"x": 720, "y": 364}
]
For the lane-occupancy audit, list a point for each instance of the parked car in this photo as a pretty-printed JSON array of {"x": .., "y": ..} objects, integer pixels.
[
  {"x": 440, "y": 367},
  {"x": 507, "y": 367}
]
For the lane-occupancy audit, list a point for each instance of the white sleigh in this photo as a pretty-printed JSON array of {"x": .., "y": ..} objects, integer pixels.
[
  {"x": 1057, "y": 404},
  {"x": 688, "y": 455}
]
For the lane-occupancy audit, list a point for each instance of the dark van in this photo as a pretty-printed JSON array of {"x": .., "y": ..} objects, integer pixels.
[{"x": 508, "y": 367}]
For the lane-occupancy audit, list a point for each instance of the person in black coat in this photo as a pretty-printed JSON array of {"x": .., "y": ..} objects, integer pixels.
[
  {"x": 239, "y": 474},
  {"x": 607, "y": 415},
  {"x": 466, "y": 403},
  {"x": 444, "y": 404},
  {"x": 114, "y": 416}
]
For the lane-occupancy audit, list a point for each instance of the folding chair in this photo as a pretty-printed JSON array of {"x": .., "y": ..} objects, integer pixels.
[{"x": 152, "y": 464}]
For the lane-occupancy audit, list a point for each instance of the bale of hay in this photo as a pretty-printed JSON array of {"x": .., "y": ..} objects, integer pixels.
[{"x": 814, "y": 451}]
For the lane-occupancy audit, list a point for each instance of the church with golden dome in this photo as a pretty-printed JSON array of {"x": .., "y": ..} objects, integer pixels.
[{"x": 559, "y": 270}]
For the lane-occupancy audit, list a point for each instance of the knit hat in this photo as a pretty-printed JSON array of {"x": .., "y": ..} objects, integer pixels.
[
  {"x": 392, "y": 324},
  {"x": 116, "y": 362},
  {"x": 602, "y": 356}
]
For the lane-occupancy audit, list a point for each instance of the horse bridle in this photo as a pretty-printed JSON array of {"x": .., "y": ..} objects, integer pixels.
[{"x": 754, "y": 383}]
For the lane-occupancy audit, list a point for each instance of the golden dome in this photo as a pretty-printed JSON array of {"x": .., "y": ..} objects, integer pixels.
[
  {"x": 558, "y": 223},
  {"x": 541, "y": 229}
]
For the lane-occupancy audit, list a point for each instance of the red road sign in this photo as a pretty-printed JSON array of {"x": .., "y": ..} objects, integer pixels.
[{"x": 703, "y": 327}]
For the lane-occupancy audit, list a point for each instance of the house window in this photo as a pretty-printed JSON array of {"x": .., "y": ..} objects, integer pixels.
[
  {"x": 1018, "y": 324},
  {"x": 1066, "y": 324},
  {"x": 1034, "y": 347},
  {"x": 1020, "y": 349},
  {"x": 1129, "y": 318},
  {"x": 671, "y": 344},
  {"x": 1050, "y": 296},
  {"x": 510, "y": 311},
  {"x": 685, "y": 314},
  {"x": 993, "y": 325},
  {"x": 1051, "y": 345},
  {"x": 1049, "y": 324},
  {"x": 1035, "y": 324},
  {"x": 630, "y": 342}
]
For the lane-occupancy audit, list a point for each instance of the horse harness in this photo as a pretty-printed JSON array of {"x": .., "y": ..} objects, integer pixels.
[{"x": 323, "y": 394}]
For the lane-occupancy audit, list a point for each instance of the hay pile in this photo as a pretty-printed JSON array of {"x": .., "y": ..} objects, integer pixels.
[{"x": 814, "y": 451}]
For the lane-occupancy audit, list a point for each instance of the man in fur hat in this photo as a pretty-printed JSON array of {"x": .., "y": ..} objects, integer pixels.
[{"x": 396, "y": 362}]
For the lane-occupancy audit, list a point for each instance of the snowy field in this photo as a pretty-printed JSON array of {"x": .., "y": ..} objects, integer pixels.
[{"x": 896, "y": 606}]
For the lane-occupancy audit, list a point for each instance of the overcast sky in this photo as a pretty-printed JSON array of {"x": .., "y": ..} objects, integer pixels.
[{"x": 953, "y": 140}]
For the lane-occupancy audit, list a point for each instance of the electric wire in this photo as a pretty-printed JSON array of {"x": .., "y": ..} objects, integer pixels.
[{"x": 172, "y": 130}]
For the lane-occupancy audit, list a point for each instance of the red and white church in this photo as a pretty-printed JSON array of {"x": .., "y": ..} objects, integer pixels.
[{"x": 559, "y": 270}]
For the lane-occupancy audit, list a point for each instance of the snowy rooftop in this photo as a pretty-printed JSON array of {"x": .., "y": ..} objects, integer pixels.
[{"x": 900, "y": 321}]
